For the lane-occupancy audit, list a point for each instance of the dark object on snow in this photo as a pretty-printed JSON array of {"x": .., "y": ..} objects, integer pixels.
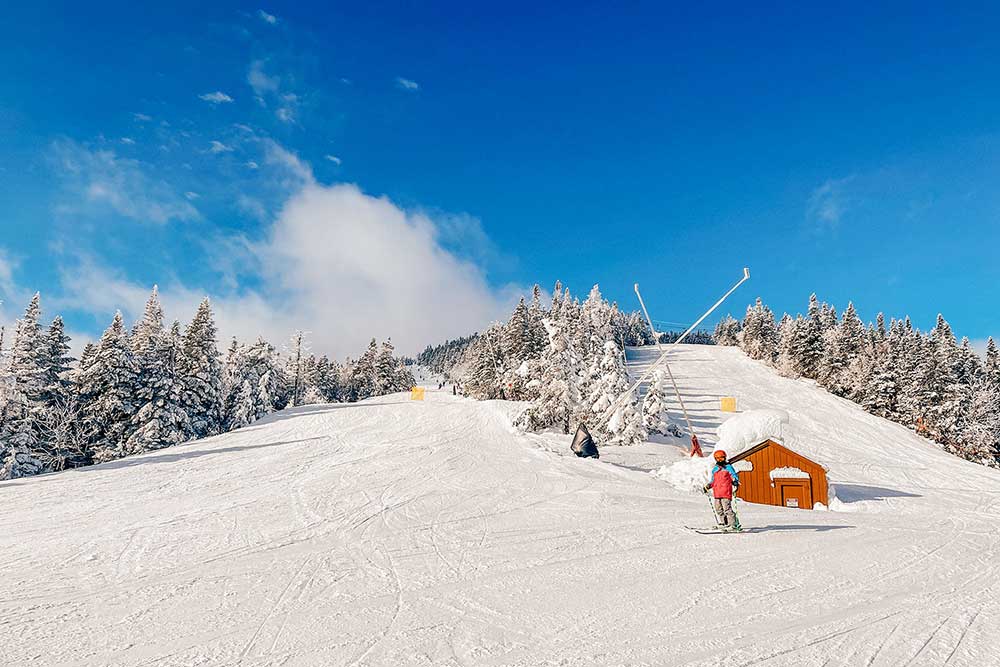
[{"x": 583, "y": 445}]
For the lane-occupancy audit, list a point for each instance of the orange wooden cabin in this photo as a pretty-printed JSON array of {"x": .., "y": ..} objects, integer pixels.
[{"x": 772, "y": 474}]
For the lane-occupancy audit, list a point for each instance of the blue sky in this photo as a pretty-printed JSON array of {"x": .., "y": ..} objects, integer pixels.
[{"x": 406, "y": 170}]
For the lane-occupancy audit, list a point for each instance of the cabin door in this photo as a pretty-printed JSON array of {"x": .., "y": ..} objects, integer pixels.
[{"x": 795, "y": 493}]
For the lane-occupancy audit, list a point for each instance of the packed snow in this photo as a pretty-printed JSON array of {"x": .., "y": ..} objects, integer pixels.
[{"x": 396, "y": 532}]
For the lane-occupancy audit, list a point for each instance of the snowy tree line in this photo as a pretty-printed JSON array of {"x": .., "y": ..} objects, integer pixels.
[
  {"x": 155, "y": 386},
  {"x": 567, "y": 359},
  {"x": 926, "y": 381},
  {"x": 442, "y": 358},
  {"x": 698, "y": 337}
]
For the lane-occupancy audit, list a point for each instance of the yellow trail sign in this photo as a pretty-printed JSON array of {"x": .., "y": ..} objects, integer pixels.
[
  {"x": 417, "y": 394},
  {"x": 728, "y": 403}
]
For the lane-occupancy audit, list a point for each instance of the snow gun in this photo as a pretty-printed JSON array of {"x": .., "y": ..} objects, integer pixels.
[{"x": 662, "y": 361}]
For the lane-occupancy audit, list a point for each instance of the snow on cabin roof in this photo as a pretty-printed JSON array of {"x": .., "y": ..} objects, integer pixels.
[{"x": 748, "y": 429}]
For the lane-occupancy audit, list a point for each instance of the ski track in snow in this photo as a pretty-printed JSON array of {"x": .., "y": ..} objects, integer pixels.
[{"x": 393, "y": 532}]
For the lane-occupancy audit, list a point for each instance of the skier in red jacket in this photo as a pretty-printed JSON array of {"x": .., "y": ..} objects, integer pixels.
[{"x": 723, "y": 485}]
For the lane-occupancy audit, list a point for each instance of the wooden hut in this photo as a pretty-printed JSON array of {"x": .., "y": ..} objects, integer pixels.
[{"x": 772, "y": 474}]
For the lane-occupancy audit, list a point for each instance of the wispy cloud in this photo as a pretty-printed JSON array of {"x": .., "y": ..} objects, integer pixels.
[
  {"x": 285, "y": 115},
  {"x": 828, "y": 203},
  {"x": 142, "y": 118},
  {"x": 97, "y": 180},
  {"x": 250, "y": 164},
  {"x": 260, "y": 81},
  {"x": 192, "y": 195},
  {"x": 334, "y": 159},
  {"x": 128, "y": 141},
  {"x": 267, "y": 18},
  {"x": 219, "y": 147},
  {"x": 218, "y": 97},
  {"x": 407, "y": 84}
]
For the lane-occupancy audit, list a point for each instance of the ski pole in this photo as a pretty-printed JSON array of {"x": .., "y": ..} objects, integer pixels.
[{"x": 711, "y": 503}]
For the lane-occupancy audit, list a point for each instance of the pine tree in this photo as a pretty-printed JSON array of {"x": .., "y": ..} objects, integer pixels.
[
  {"x": 727, "y": 331},
  {"x": 363, "y": 374},
  {"x": 24, "y": 447},
  {"x": 202, "y": 375},
  {"x": 386, "y": 371},
  {"x": 60, "y": 410},
  {"x": 536, "y": 339},
  {"x": 243, "y": 408},
  {"x": 654, "y": 405},
  {"x": 255, "y": 384},
  {"x": 161, "y": 420},
  {"x": 992, "y": 366},
  {"x": 624, "y": 425},
  {"x": 107, "y": 393},
  {"x": 786, "y": 361},
  {"x": 558, "y": 391},
  {"x": 297, "y": 353},
  {"x": 487, "y": 374},
  {"x": 810, "y": 340},
  {"x": 327, "y": 379},
  {"x": 759, "y": 334}
]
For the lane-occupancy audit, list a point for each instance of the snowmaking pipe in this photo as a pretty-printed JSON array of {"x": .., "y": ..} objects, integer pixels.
[
  {"x": 663, "y": 356},
  {"x": 659, "y": 346}
]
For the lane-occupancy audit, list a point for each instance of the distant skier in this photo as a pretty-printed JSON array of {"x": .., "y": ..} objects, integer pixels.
[{"x": 723, "y": 485}]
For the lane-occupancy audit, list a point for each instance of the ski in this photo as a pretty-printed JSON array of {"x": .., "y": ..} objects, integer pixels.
[{"x": 712, "y": 531}]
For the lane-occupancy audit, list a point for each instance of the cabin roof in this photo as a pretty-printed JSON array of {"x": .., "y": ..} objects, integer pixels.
[{"x": 767, "y": 443}]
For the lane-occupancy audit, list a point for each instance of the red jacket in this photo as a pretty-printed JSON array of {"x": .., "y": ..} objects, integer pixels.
[{"x": 724, "y": 479}]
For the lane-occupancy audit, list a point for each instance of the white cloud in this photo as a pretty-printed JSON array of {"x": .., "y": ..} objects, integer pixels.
[
  {"x": 250, "y": 164},
  {"x": 337, "y": 262},
  {"x": 407, "y": 84},
  {"x": 285, "y": 115},
  {"x": 829, "y": 202},
  {"x": 252, "y": 207},
  {"x": 261, "y": 82},
  {"x": 97, "y": 180},
  {"x": 218, "y": 97},
  {"x": 128, "y": 141},
  {"x": 219, "y": 147},
  {"x": 267, "y": 18},
  {"x": 141, "y": 117},
  {"x": 298, "y": 173},
  {"x": 192, "y": 195},
  {"x": 334, "y": 159}
]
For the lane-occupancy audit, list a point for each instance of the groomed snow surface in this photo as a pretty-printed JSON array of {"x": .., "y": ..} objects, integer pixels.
[{"x": 393, "y": 532}]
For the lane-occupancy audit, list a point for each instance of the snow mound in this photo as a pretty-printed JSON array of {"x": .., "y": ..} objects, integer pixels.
[
  {"x": 747, "y": 429},
  {"x": 689, "y": 474}
]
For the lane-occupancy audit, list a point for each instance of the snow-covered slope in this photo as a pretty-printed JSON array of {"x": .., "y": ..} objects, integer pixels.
[{"x": 393, "y": 532}]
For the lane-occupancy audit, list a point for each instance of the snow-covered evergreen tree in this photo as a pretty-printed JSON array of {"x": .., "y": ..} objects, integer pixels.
[
  {"x": 487, "y": 375},
  {"x": 160, "y": 420},
  {"x": 759, "y": 334},
  {"x": 363, "y": 374},
  {"x": 202, "y": 374},
  {"x": 107, "y": 393},
  {"x": 558, "y": 391},
  {"x": 654, "y": 404},
  {"x": 23, "y": 437},
  {"x": 727, "y": 331},
  {"x": 254, "y": 380},
  {"x": 787, "y": 358},
  {"x": 624, "y": 425}
]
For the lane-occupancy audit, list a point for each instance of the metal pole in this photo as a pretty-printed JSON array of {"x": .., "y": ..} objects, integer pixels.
[
  {"x": 621, "y": 399},
  {"x": 659, "y": 347}
]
